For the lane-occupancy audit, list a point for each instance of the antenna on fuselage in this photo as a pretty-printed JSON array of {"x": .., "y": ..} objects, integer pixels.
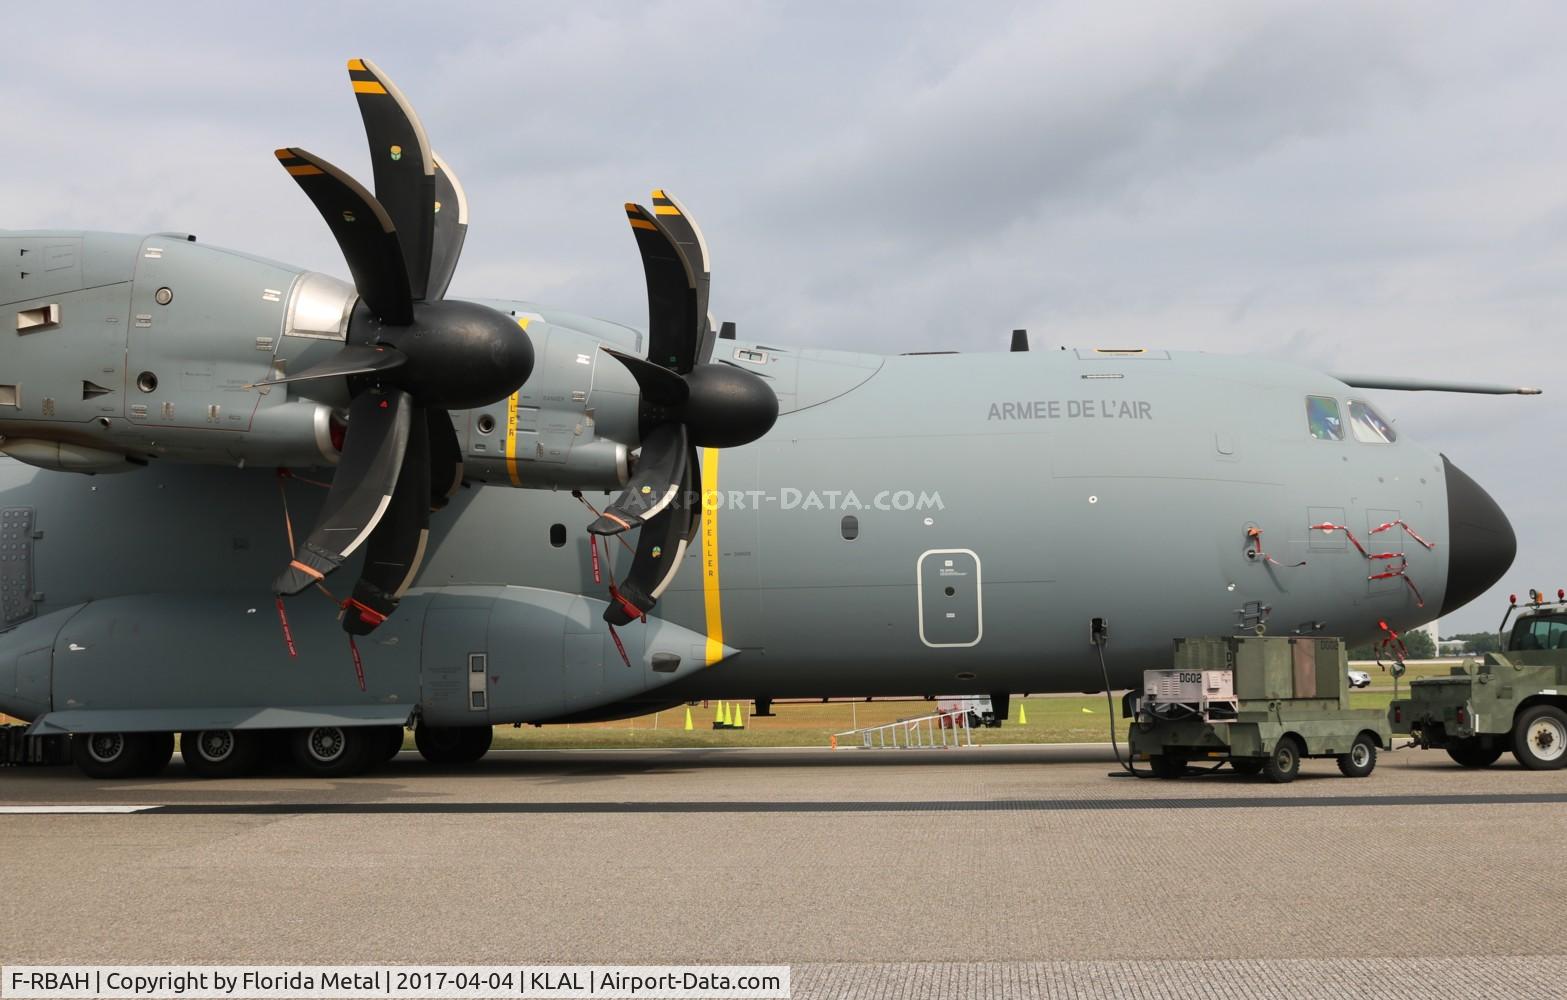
[{"x": 1020, "y": 340}]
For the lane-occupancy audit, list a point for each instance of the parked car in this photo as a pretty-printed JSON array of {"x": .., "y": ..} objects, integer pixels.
[{"x": 1359, "y": 679}]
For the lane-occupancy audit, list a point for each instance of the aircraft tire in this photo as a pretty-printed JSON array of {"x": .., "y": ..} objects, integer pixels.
[
  {"x": 1469, "y": 753},
  {"x": 114, "y": 756},
  {"x": 334, "y": 751},
  {"x": 1283, "y": 763},
  {"x": 453, "y": 744},
  {"x": 393, "y": 735},
  {"x": 1540, "y": 738},
  {"x": 1361, "y": 759},
  {"x": 157, "y": 750},
  {"x": 1168, "y": 765},
  {"x": 222, "y": 753}
]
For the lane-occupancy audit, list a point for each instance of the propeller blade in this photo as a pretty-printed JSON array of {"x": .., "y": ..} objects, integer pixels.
[
  {"x": 661, "y": 548},
  {"x": 363, "y": 230},
  {"x": 659, "y": 385},
  {"x": 396, "y": 545},
  {"x": 378, "y": 421},
  {"x": 404, "y": 166},
  {"x": 674, "y": 323},
  {"x": 451, "y": 228},
  {"x": 688, "y": 237},
  {"x": 661, "y": 468},
  {"x": 351, "y": 359},
  {"x": 446, "y": 469}
]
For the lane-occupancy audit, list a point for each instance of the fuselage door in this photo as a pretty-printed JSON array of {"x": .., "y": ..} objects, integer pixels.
[{"x": 951, "y": 611}]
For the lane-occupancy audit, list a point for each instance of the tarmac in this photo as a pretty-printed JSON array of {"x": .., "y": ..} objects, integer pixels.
[{"x": 1008, "y": 871}]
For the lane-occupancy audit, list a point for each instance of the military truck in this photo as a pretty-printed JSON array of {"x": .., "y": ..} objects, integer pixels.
[
  {"x": 1259, "y": 703},
  {"x": 1512, "y": 700}
]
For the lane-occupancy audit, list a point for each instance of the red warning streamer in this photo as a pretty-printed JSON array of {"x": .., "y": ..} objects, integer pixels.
[
  {"x": 1254, "y": 534},
  {"x": 288, "y": 634},
  {"x": 359, "y": 665},
  {"x": 1401, "y": 571}
]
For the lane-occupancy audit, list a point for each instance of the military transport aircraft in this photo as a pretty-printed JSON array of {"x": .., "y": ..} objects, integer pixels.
[{"x": 625, "y": 520}]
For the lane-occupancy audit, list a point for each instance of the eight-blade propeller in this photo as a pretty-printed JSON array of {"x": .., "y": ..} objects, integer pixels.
[
  {"x": 686, "y": 403},
  {"x": 410, "y": 355}
]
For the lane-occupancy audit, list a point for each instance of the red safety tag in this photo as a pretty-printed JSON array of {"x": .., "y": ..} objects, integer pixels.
[
  {"x": 288, "y": 635},
  {"x": 620, "y": 646},
  {"x": 359, "y": 666},
  {"x": 593, "y": 547}
]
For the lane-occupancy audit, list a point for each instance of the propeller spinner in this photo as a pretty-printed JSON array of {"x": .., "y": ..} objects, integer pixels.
[
  {"x": 410, "y": 354},
  {"x": 687, "y": 402}
]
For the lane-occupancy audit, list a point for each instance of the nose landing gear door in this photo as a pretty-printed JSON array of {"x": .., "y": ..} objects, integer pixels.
[{"x": 951, "y": 611}]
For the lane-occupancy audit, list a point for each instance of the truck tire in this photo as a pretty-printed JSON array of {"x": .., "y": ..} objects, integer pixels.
[
  {"x": 1168, "y": 765},
  {"x": 1250, "y": 766},
  {"x": 1283, "y": 763},
  {"x": 333, "y": 751},
  {"x": 1540, "y": 738},
  {"x": 1361, "y": 759},
  {"x": 1470, "y": 753},
  {"x": 453, "y": 744},
  {"x": 221, "y": 753}
]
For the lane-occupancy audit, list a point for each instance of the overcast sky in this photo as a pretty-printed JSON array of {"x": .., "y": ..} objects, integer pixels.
[{"x": 1370, "y": 188}]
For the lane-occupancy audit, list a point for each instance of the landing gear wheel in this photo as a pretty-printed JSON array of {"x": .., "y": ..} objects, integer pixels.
[
  {"x": 1540, "y": 738},
  {"x": 116, "y": 755},
  {"x": 221, "y": 753},
  {"x": 157, "y": 750},
  {"x": 1168, "y": 766},
  {"x": 1470, "y": 753},
  {"x": 453, "y": 744},
  {"x": 1361, "y": 759},
  {"x": 393, "y": 735},
  {"x": 333, "y": 751},
  {"x": 1246, "y": 765},
  {"x": 1283, "y": 764}
]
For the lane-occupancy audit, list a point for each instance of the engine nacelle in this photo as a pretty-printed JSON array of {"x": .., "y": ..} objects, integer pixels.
[{"x": 129, "y": 348}]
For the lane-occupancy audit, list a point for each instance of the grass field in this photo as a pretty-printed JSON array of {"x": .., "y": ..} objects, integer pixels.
[{"x": 1051, "y": 719}]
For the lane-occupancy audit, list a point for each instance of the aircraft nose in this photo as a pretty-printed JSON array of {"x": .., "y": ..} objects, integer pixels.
[{"x": 1481, "y": 543}]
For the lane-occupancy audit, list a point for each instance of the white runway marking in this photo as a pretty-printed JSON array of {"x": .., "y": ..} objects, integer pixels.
[{"x": 78, "y": 810}]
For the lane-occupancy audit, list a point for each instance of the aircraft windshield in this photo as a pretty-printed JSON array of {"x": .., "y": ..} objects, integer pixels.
[
  {"x": 1369, "y": 425},
  {"x": 1539, "y": 633},
  {"x": 1322, "y": 418}
]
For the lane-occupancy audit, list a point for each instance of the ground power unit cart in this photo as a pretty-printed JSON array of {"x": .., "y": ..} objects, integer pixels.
[{"x": 1258, "y": 703}]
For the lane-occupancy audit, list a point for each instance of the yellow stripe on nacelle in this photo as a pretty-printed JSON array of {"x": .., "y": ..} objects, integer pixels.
[{"x": 711, "y": 594}]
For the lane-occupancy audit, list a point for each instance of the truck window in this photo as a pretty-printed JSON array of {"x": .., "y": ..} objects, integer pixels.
[
  {"x": 1322, "y": 418},
  {"x": 1542, "y": 632},
  {"x": 1369, "y": 425}
]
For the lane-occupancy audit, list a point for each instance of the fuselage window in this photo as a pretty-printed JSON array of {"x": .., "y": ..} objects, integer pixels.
[
  {"x": 1369, "y": 425},
  {"x": 1322, "y": 418}
]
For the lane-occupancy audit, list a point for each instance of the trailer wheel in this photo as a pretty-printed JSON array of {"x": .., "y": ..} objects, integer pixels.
[
  {"x": 221, "y": 753},
  {"x": 112, "y": 756},
  {"x": 1361, "y": 759},
  {"x": 1167, "y": 765},
  {"x": 1540, "y": 738},
  {"x": 1246, "y": 765},
  {"x": 333, "y": 751},
  {"x": 1283, "y": 764},
  {"x": 1470, "y": 753}
]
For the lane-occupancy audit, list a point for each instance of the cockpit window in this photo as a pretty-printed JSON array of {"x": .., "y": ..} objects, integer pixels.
[
  {"x": 1369, "y": 425},
  {"x": 1539, "y": 633},
  {"x": 1323, "y": 419}
]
